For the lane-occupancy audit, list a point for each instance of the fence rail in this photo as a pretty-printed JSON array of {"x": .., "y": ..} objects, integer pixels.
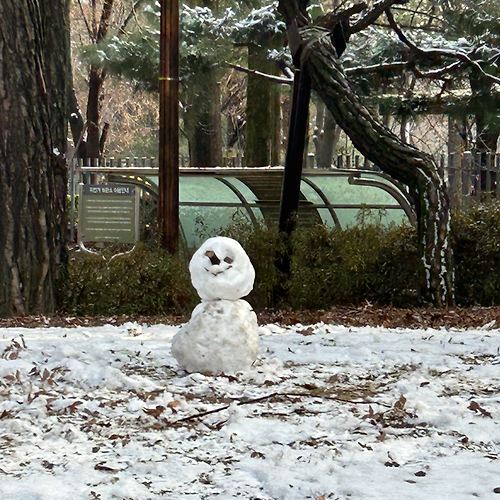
[{"x": 471, "y": 175}]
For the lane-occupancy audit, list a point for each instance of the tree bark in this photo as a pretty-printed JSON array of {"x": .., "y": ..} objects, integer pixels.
[
  {"x": 96, "y": 82},
  {"x": 203, "y": 124},
  {"x": 326, "y": 136},
  {"x": 262, "y": 129},
  {"x": 34, "y": 78},
  {"x": 415, "y": 169}
]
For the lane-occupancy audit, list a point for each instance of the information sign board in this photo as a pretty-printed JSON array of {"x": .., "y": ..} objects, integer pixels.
[{"x": 108, "y": 213}]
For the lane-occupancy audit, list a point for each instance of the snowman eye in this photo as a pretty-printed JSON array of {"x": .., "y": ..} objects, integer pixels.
[
  {"x": 228, "y": 260},
  {"x": 213, "y": 257}
]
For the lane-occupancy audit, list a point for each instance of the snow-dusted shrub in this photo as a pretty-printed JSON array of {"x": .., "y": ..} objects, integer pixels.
[
  {"x": 329, "y": 267},
  {"x": 367, "y": 262},
  {"x": 476, "y": 243},
  {"x": 147, "y": 281}
]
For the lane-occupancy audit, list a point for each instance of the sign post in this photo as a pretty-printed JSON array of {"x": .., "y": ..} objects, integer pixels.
[{"x": 108, "y": 213}]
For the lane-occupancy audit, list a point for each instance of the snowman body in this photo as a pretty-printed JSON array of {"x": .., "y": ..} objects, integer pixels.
[{"x": 222, "y": 334}]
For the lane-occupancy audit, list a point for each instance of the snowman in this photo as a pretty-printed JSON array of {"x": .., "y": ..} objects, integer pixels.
[{"x": 221, "y": 336}]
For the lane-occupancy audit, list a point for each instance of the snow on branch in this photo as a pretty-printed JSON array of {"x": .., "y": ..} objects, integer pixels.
[
  {"x": 273, "y": 78},
  {"x": 463, "y": 59}
]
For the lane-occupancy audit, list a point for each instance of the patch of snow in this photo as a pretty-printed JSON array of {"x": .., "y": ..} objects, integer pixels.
[{"x": 326, "y": 412}]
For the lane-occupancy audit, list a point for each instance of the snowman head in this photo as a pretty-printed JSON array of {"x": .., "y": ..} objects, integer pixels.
[{"x": 221, "y": 269}]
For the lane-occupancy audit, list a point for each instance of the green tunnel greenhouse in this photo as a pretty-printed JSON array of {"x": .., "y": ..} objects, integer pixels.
[{"x": 213, "y": 197}]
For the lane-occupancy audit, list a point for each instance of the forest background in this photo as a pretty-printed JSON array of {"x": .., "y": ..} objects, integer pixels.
[
  {"x": 236, "y": 76},
  {"x": 427, "y": 69}
]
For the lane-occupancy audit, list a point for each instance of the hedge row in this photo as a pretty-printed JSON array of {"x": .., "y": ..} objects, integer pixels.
[{"x": 368, "y": 262}]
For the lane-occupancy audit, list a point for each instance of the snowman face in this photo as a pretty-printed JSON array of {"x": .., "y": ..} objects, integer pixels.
[
  {"x": 221, "y": 269},
  {"x": 216, "y": 265}
]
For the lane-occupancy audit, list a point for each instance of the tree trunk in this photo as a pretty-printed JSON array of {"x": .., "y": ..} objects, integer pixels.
[
  {"x": 415, "y": 169},
  {"x": 456, "y": 146},
  {"x": 203, "y": 124},
  {"x": 262, "y": 129},
  {"x": 93, "y": 143},
  {"x": 34, "y": 78},
  {"x": 487, "y": 133},
  {"x": 487, "y": 126},
  {"x": 326, "y": 136}
]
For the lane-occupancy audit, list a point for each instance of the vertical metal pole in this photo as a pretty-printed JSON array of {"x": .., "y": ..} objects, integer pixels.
[
  {"x": 168, "y": 173},
  {"x": 72, "y": 198},
  {"x": 295, "y": 151}
]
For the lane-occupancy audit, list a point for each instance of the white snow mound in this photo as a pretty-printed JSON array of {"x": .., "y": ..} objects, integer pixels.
[
  {"x": 221, "y": 269},
  {"x": 221, "y": 337}
]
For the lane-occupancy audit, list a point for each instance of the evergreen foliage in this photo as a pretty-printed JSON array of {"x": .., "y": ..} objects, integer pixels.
[
  {"x": 476, "y": 240},
  {"x": 367, "y": 262}
]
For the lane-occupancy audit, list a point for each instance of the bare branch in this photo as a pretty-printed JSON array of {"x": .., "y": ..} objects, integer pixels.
[
  {"x": 271, "y": 396},
  {"x": 437, "y": 73},
  {"x": 87, "y": 25},
  {"x": 379, "y": 68},
  {"x": 374, "y": 13},
  {"x": 272, "y": 78},
  {"x": 131, "y": 14},
  {"x": 331, "y": 19}
]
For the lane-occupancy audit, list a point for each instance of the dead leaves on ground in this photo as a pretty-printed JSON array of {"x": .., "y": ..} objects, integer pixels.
[
  {"x": 363, "y": 315},
  {"x": 474, "y": 406},
  {"x": 14, "y": 349},
  {"x": 397, "y": 417}
]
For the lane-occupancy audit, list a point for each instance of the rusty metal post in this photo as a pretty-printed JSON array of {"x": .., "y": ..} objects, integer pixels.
[{"x": 168, "y": 171}]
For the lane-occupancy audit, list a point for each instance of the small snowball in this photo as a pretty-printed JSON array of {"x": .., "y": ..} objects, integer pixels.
[
  {"x": 221, "y": 269},
  {"x": 221, "y": 337}
]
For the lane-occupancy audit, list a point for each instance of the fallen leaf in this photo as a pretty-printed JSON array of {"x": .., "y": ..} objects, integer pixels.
[
  {"x": 400, "y": 403},
  {"x": 474, "y": 406},
  {"x": 155, "y": 412},
  {"x": 103, "y": 467},
  {"x": 310, "y": 387},
  {"x": 306, "y": 331},
  {"x": 73, "y": 406}
]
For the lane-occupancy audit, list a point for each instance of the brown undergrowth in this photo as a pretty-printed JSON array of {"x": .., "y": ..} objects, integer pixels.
[{"x": 365, "y": 315}]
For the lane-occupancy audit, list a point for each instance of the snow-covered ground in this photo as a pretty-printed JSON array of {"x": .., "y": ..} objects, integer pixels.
[{"x": 327, "y": 412}]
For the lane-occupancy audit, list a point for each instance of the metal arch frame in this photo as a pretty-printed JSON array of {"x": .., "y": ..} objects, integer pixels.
[
  {"x": 355, "y": 179},
  {"x": 240, "y": 196},
  {"x": 139, "y": 177},
  {"x": 325, "y": 200},
  {"x": 136, "y": 180}
]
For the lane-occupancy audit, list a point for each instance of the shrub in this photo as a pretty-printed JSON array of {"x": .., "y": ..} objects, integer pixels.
[
  {"x": 367, "y": 262},
  {"x": 146, "y": 281},
  {"x": 476, "y": 243},
  {"x": 349, "y": 266}
]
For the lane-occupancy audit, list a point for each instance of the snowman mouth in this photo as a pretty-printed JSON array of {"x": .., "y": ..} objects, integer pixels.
[{"x": 216, "y": 273}]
